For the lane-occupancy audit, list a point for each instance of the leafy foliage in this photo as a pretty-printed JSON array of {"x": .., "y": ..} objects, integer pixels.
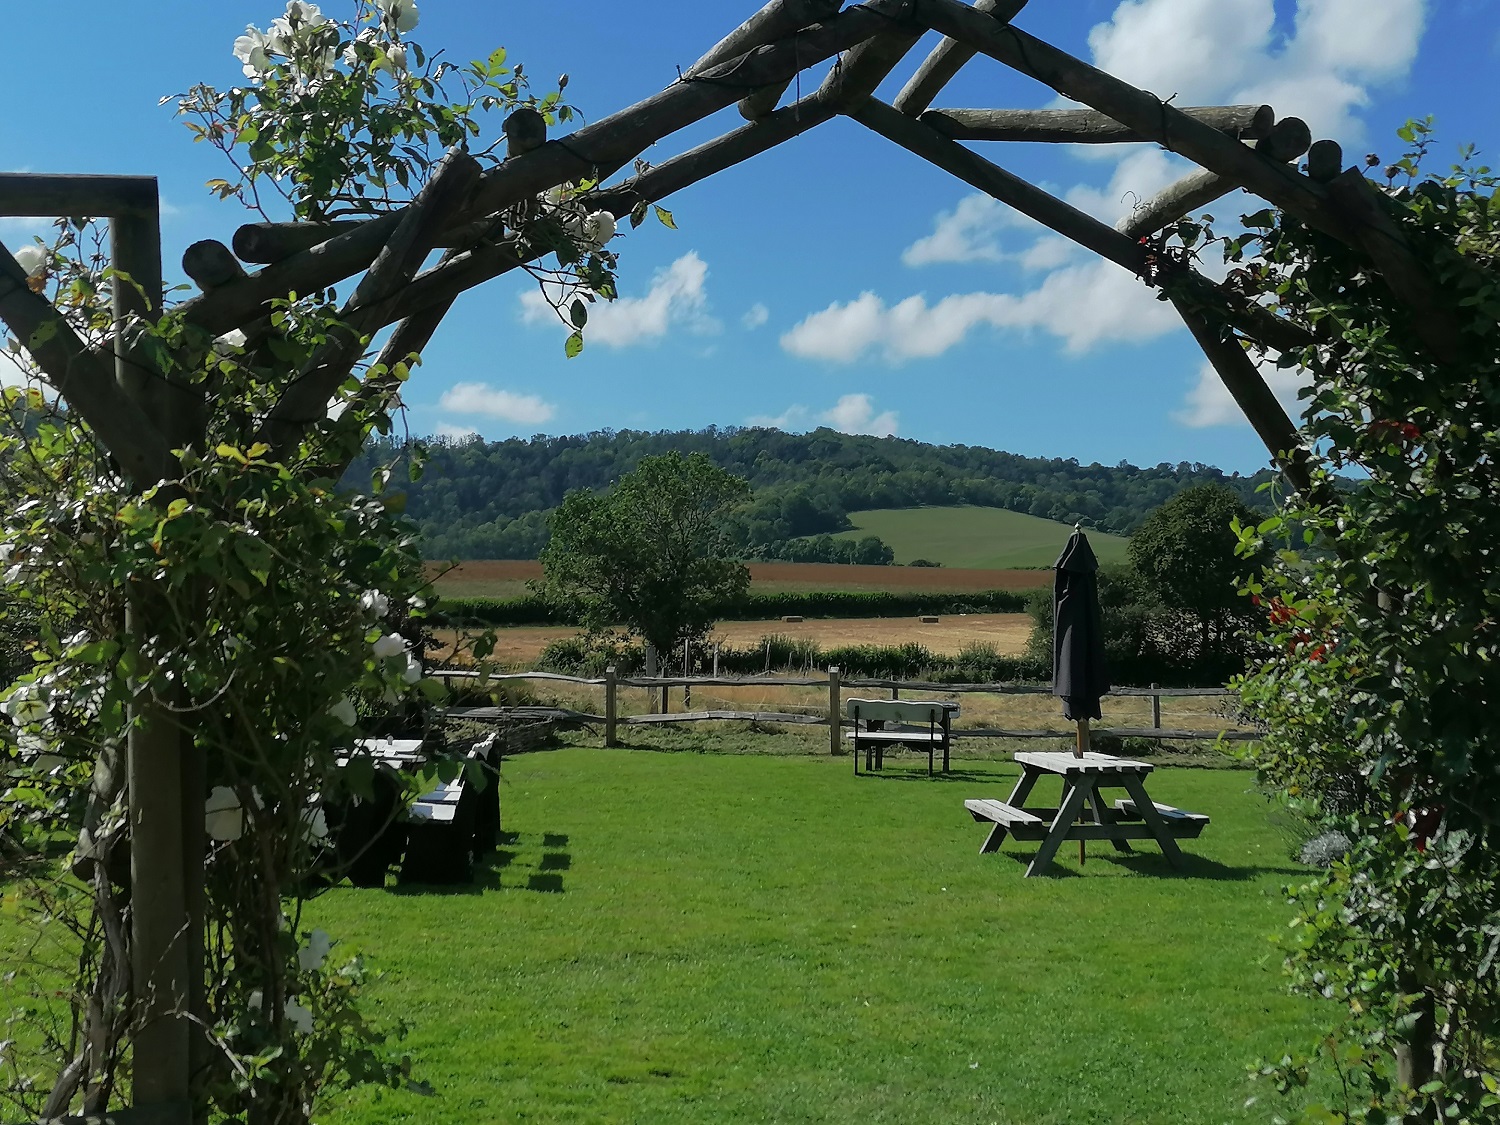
[
  {"x": 651, "y": 554},
  {"x": 1381, "y": 605}
]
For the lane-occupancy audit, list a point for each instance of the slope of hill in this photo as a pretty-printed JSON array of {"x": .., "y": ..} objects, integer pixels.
[
  {"x": 979, "y": 538},
  {"x": 489, "y": 500}
]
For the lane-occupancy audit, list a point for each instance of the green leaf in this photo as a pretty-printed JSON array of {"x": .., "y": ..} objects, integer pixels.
[
  {"x": 578, "y": 313},
  {"x": 665, "y": 217},
  {"x": 574, "y": 347}
]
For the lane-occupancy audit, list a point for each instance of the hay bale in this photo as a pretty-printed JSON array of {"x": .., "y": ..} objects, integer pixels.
[
  {"x": 928, "y": 620},
  {"x": 791, "y": 619}
]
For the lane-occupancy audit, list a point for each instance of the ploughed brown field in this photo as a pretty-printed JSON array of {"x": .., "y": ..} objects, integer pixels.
[
  {"x": 520, "y": 645},
  {"x": 507, "y": 578}
]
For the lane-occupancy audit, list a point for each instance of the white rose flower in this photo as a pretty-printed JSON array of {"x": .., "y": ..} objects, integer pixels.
[
  {"x": 32, "y": 259},
  {"x": 395, "y": 60},
  {"x": 299, "y": 1017},
  {"x": 392, "y": 644},
  {"x": 598, "y": 229},
  {"x": 311, "y": 957},
  {"x": 400, "y": 14},
  {"x": 223, "y": 818},
  {"x": 299, "y": 13},
  {"x": 314, "y": 824},
  {"x": 253, "y": 50},
  {"x": 344, "y": 712},
  {"x": 413, "y": 670},
  {"x": 373, "y": 601}
]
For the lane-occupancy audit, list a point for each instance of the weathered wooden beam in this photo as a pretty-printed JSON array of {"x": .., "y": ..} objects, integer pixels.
[
  {"x": 1086, "y": 126},
  {"x": 714, "y": 156},
  {"x": 1255, "y": 399},
  {"x": 1143, "y": 112},
  {"x": 1287, "y": 140},
  {"x": 83, "y": 378},
  {"x": 211, "y": 264},
  {"x": 865, "y": 66},
  {"x": 1325, "y": 160},
  {"x": 51, "y": 196},
  {"x": 776, "y": 20},
  {"x": 1067, "y": 220},
  {"x": 975, "y": 170},
  {"x": 393, "y": 269},
  {"x": 525, "y": 130},
  {"x": 608, "y": 142},
  {"x": 946, "y": 59}
]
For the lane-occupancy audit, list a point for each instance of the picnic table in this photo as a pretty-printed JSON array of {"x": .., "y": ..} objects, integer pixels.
[
  {"x": 1135, "y": 817},
  {"x": 921, "y": 724}
]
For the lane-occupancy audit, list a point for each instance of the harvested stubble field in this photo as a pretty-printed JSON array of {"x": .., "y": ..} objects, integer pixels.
[
  {"x": 519, "y": 646},
  {"x": 507, "y": 578}
]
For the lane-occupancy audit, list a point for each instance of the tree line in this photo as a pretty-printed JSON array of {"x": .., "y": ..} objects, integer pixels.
[{"x": 480, "y": 499}]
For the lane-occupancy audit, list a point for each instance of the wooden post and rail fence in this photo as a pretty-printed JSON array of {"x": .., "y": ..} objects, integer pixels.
[{"x": 839, "y": 689}]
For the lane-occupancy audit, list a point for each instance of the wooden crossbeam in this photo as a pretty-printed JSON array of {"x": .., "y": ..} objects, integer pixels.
[
  {"x": 776, "y": 20},
  {"x": 1085, "y": 126},
  {"x": 945, "y": 60},
  {"x": 1287, "y": 140},
  {"x": 608, "y": 143},
  {"x": 37, "y": 195}
]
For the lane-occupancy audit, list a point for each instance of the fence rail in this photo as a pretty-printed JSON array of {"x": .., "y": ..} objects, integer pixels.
[{"x": 831, "y": 717}]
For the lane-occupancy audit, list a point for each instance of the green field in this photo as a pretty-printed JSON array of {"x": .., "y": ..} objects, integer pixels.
[
  {"x": 982, "y": 538},
  {"x": 691, "y": 938}
]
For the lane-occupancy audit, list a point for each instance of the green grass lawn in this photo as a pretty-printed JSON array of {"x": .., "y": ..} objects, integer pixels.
[
  {"x": 701, "y": 938},
  {"x": 983, "y": 538}
]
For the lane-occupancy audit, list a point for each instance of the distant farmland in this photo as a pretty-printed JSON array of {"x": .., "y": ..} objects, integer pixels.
[
  {"x": 507, "y": 578},
  {"x": 981, "y": 538}
]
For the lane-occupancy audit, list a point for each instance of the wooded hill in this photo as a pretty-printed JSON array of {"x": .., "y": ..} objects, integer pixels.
[{"x": 479, "y": 499}]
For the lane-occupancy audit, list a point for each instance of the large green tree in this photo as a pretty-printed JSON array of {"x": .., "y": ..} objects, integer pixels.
[
  {"x": 652, "y": 554},
  {"x": 1184, "y": 558}
]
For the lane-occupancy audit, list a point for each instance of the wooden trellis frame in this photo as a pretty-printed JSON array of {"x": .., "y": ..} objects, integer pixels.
[{"x": 140, "y": 415}]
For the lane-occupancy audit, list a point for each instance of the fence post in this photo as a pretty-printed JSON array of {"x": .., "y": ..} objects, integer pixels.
[
  {"x": 834, "y": 711},
  {"x": 716, "y": 660},
  {"x": 1155, "y": 707},
  {"x": 651, "y": 675},
  {"x": 609, "y": 707},
  {"x": 895, "y": 692},
  {"x": 687, "y": 689}
]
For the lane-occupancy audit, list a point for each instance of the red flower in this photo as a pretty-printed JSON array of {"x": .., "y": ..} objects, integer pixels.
[{"x": 1316, "y": 655}]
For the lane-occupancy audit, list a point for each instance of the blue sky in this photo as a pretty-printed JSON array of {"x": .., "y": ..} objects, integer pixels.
[{"x": 836, "y": 280}]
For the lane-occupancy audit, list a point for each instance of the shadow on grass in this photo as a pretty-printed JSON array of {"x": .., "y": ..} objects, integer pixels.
[
  {"x": 966, "y": 776},
  {"x": 487, "y": 871},
  {"x": 1157, "y": 866}
]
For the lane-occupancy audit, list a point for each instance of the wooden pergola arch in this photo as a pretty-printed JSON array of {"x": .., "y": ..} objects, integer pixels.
[{"x": 141, "y": 415}]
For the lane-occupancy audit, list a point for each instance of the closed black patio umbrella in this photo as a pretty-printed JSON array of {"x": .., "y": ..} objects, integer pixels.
[{"x": 1079, "y": 676}]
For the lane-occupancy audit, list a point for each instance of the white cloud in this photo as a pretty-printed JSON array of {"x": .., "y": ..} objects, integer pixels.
[
  {"x": 855, "y": 414},
  {"x": 789, "y": 419},
  {"x": 455, "y": 433},
  {"x": 968, "y": 233},
  {"x": 677, "y": 297},
  {"x": 491, "y": 402},
  {"x": 1209, "y": 402},
  {"x": 755, "y": 316},
  {"x": 852, "y": 414},
  {"x": 1083, "y": 305},
  {"x": 1211, "y": 52}
]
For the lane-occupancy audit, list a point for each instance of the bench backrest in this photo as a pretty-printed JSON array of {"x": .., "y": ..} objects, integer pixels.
[{"x": 910, "y": 711}]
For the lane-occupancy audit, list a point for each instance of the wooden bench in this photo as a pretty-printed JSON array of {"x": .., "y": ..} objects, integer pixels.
[
  {"x": 1182, "y": 824},
  {"x": 879, "y": 723}
]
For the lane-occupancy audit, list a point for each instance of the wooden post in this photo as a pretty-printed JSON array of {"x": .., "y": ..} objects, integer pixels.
[
  {"x": 834, "y": 711},
  {"x": 1079, "y": 750},
  {"x": 651, "y": 675},
  {"x": 895, "y": 692},
  {"x": 687, "y": 689},
  {"x": 1155, "y": 708},
  {"x": 610, "y": 675},
  {"x": 716, "y": 660}
]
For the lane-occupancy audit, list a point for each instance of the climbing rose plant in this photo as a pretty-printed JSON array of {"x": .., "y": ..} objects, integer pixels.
[
  {"x": 1380, "y": 630},
  {"x": 268, "y": 612}
]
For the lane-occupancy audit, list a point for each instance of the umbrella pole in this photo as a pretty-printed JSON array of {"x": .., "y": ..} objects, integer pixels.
[{"x": 1080, "y": 748}]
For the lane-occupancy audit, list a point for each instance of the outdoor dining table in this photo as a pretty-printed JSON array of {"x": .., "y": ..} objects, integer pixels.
[{"x": 1135, "y": 817}]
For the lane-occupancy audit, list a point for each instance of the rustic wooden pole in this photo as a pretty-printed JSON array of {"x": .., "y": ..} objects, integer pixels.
[
  {"x": 1155, "y": 707},
  {"x": 1085, "y": 126},
  {"x": 946, "y": 59},
  {"x": 776, "y": 20},
  {"x": 1325, "y": 160},
  {"x": 1289, "y": 139},
  {"x": 687, "y": 689},
  {"x": 716, "y": 660},
  {"x": 1240, "y": 377},
  {"x": 835, "y": 712},
  {"x": 611, "y": 674}
]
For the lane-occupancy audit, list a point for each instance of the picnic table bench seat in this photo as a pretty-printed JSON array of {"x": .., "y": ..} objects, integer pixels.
[
  {"x": 879, "y": 723},
  {"x": 1181, "y": 823}
]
